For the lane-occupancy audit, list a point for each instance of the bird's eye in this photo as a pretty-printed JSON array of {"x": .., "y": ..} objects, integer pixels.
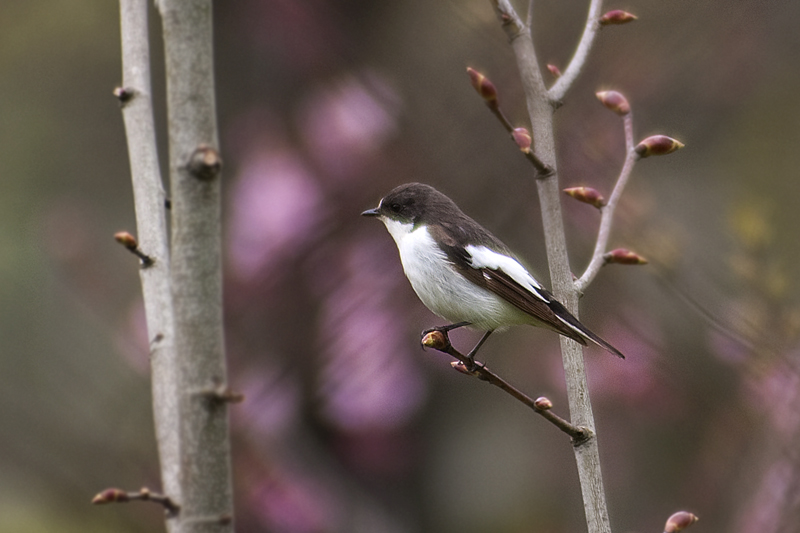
[{"x": 395, "y": 207}]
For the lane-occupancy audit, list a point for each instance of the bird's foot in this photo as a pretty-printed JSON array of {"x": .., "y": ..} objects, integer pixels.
[{"x": 445, "y": 329}]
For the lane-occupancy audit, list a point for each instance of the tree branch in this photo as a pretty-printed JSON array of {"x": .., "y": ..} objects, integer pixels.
[
  {"x": 604, "y": 232},
  {"x": 569, "y": 75},
  {"x": 153, "y": 244},
  {"x": 206, "y": 486},
  {"x": 145, "y": 495},
  {"x": 440, "y": 340},
  {"x": 540, "y": 110}
]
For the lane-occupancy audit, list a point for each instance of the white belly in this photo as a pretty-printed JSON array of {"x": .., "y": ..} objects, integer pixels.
[{"x": 443, "y": 290}]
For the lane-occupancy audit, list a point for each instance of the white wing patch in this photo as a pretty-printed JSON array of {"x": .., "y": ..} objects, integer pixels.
[{"x": 483, "y": 257}]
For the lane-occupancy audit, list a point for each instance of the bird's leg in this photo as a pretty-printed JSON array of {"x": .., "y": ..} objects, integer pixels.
[{"x": 471, "y": 355}]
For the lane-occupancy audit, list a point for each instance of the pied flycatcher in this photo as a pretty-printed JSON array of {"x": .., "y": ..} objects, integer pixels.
[{"x": 465, "y": 274}]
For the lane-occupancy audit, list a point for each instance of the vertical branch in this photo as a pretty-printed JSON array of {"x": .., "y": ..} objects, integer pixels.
[
  {"x": 541, "y": 116},
  {"x": 206, "y": 503},
  {"x": 148, "y": 193}
]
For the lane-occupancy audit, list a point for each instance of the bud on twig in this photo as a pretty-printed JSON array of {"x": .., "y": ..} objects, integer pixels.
[
  {"x": 126, "y": 239},
  {"x": 461, "y": 367},
  {"x": 614, "y": 101},
  {"x": 543, "y": 404},
  {"x": 586, "y": 195},
  {"x": 144, "y": 494},
  {"x": 622, "y": 256},
  {"x": 554, "y": 70},
  {"x": 436, "y": 340},
  {"x": 679, "y": 521},
  {"x": 657, "y": 145},
  {"x": 124, "y": 94},
  {"x": 523, "y": 139},
  {"x": 110, "y": 496},
  {"x": 205, "y": 162},
  {"x": 484, "y": 87},
  {"x": 616, "y": 16},
  {"x": 131, "y": 244}
]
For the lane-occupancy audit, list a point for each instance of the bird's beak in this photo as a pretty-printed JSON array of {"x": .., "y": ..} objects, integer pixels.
[{"x": 371, "y": 213}]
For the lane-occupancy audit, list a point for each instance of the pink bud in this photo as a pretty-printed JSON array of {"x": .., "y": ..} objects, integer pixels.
[
  {"x": 622, "y": 256},
  {"x": 461, "y": 367},
  {"x": 587, "y": 195},
  {"x": 523, "y": 139},
  {"x": 110, "y": 496},
  {"x": 614, "y": 101},
  {"x": 679, "y": 521},
  {"x": 616, "y": 16},
  {"x": 657, "y": 145},
  {"x": 543, "y": 404},
  {"x": 554, "y": 70},
  {"x": 482, "y": 84}
]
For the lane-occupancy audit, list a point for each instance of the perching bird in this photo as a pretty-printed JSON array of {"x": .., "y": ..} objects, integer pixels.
[{"x": 465, "y": 274}]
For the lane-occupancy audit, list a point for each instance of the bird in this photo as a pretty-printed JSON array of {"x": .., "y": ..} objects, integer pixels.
[{"x": 466, "y": 275}]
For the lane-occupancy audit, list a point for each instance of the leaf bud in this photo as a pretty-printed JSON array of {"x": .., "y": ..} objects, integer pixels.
[
  {"x": 586, "y": 195},
  {"x": 126, "y": 239},
  {"x": 523, "y": 139},
  {"x": 543, "y": 404},
  {"x": 554, "y": 70},
  {"x": 617, "y": 16},
  {"x": 484, "y": 87},
  {"x": 205, "y": 162},
  {"x": 110, "y": 496},
  {"x": 679, "y": 521},
  {"x": 461, "y": 367},
  {"x": 622, "y": 256},
  {"x": 614, "y": 101},
  {"x": 435, "y": 340},
  {"x": 657, "y": 145}
]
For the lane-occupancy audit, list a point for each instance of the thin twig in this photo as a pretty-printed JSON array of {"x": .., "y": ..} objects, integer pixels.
[
  {"x": 529, "y": 20},
  {"x": 144, "y": 495},
  {"x": 608, "y": 210},
  {"x": 151, "y": 228},
  {"x": 542, "y": 170},
  {"x": 440, "y": 341},
  {"x": 556, "y": 93}
]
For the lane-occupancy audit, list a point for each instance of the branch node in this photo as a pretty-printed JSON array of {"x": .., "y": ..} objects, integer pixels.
[
  {"x": 220, "y": 393},
  {"x": 205, "y": 163},
  {"x": 223, "y": 519},
  {"x": 114, "y": 495},
  {"x": 581, "y": 436},
  {"x": 124, "y": 94},
  {"x": 132, "y": 245}
]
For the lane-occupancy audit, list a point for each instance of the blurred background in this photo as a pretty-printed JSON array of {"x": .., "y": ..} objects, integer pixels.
[{"x": 348, "y": 425}]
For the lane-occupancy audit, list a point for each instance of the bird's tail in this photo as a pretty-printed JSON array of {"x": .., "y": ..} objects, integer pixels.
[{"x": 580, "y": 332}]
